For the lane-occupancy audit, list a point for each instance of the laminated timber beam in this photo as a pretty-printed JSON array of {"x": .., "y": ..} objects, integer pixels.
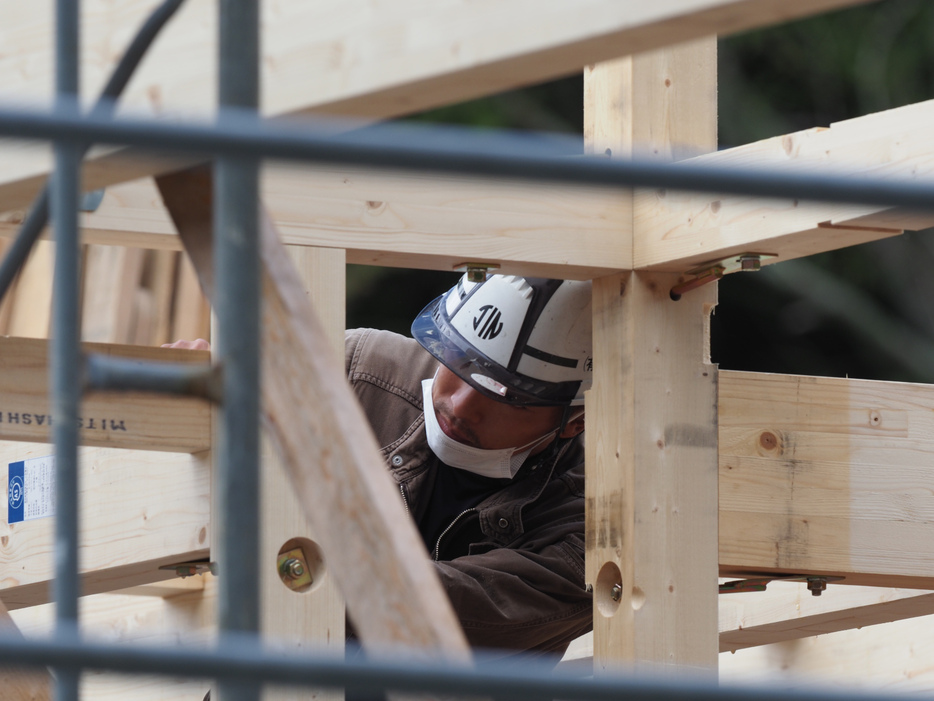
[
  {"x": 349, "y": 499},
  {"x": 393, "y": 58},
  {"x": 787, "y": 611},
  {"x": 140, "y": 510},
  {"x": 114, "y": 420},
  {"x": 827, "y": 476},
  {"x": 439, "y": 222},
  {"x": 681, "y": 230},
  {"x": 20, "y": 684}
]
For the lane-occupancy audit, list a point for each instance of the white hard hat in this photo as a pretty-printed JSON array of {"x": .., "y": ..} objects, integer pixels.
[{"x": 523, "y": 341}]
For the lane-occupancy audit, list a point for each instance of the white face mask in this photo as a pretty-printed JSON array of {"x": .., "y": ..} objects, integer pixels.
[{"x": 503, "y": 464}]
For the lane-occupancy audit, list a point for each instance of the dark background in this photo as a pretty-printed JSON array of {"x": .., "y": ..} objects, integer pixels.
[{"x": 865, "y": 311}]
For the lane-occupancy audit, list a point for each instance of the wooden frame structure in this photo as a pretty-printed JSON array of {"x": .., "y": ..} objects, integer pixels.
[{"x": 825, "y": 478}]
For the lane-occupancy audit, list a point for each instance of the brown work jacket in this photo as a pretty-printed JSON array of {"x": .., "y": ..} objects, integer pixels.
[{"x": 513, "y": 566}]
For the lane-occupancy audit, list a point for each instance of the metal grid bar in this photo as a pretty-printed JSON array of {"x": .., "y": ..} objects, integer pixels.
[
  {"x": 461, "y": 151},
  {"x": 237, "y": 306},
  {"x": 519, "y": 679},
  {"x": 66, "y": 395}
]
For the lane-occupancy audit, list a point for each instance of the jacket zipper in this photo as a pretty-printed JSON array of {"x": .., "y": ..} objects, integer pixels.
[
  {"x": 445, "y": 531},
  {"x": 405, "y": 500}
]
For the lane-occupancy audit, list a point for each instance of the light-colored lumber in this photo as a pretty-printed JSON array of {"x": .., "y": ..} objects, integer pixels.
[
  {"x": 405, "y": 220},
  {"x": 332, "y": 459},
  {"x": 112, "y": 276},
  {"x": 651, "y": 414},
  {"x": 191, "y": 313},
  {"x": 827, "y": 475},
  {"x": 139, "y": 510},
  {"x": 382, "y": 60},
  {"x": 21, "y": 685},
  {"x": 31, "y": 310},
  {"x": 117, "y": 420},
  {"x": 687, "y": 229},
  {"x": 891, "y": 658},
  {"x": 315, "y": 617},
  {"x": 788, "y": 611},
  {"x": 123, "y": 617}
]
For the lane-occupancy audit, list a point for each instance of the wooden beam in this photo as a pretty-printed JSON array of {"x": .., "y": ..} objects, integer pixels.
[
  {"x": 394, "y": 58},
  {"x": 787, "y": 611},
  {"x": 123, "y": 617},
  {"x": 684, "y": 230},
  {"x": 117, "y": 420},
  {"x": 437, "y": 222},
  {"x": 139, "y": 511},
  {"x": 344, "y": 490},
  {"x": 314, "y": 616},
  {"x": 827, "y": 476},
  {"x": 17, "y": 684},
  {"x": 651, "y": 434}
]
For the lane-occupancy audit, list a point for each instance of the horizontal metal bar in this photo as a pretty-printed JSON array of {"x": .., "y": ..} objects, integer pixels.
[
  {"x": 104, "y": 372},
  {"x": 242, "y": 658},
  {"x": 453, "y": 150}
]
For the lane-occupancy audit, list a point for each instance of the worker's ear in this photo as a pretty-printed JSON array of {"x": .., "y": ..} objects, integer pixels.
[{"x": 574, "y": 427}]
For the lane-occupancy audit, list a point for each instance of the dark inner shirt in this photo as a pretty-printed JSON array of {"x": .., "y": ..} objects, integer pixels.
[{"x": 453, "y": 492}]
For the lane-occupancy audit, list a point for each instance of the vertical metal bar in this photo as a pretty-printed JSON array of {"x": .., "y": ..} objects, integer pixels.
[
  {"x": 236, "y": 266},
  {"x": 64, "y": 343}
]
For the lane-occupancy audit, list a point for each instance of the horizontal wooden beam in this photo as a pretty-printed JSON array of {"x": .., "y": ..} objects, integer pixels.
[
  {"x": 352, "y": 58},
  {"x": 827, "y": 476},
  {"x": 139, "y": 510},
  {"x": 116, "y": 420},
  {"x": 565, "y": 231},
  {"x": 404, "y": 221},
  {"x": 788, "y": 611},
  {"x": 676, "y": 231}
]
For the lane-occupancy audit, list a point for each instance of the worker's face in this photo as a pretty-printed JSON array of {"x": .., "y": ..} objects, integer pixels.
[{"x": 476, "y": 420}]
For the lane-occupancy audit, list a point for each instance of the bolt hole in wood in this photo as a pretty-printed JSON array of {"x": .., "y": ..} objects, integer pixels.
[
  {"x": 608, "y": 590},
  {"x": 300, "y": 565}
]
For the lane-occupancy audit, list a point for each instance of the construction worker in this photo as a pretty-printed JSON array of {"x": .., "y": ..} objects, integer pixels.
[{"x": 483, "y": 435}]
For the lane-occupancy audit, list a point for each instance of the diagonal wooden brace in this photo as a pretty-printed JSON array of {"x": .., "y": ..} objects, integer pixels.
[
  {"x": 393, "y": 594},
  {"x": 17, "y": 684}
]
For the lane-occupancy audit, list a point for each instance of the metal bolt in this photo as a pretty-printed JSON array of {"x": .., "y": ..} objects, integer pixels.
[
  {"x": 616, "y": 593},
  {"x": 477, "y": 273},
  {"x": 752, "y": 261},
  {"x": 816, "y": 585},
  {"x": 293, "y": 568}
]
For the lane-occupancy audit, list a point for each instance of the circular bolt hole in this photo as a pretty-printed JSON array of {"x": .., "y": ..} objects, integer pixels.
[
  {"x": 300, "y": 565},
  {"x": 608, "y": 591}
]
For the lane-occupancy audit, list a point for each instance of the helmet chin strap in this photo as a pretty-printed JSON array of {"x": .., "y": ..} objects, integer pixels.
[{"x": 552, "y": 450}]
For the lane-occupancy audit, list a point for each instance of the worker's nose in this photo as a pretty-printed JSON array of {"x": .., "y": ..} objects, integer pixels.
[{"x": 467, "y": 404}]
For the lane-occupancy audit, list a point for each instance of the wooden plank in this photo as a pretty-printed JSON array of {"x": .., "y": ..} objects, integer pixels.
[
  {"x": 126, "y": 533},
  {"x": 346, "y": 493},
  {"x": 352, "y": 57},
  {"x": 117, "y": 420},
  {"x": 111, "y": 279},
  {"x": 31, "y": 310},
  {"x": 21, "y": 685},
  {"x": 315, "y": 617},
  {"x": 651, "y": 446},
  {"x": 827, "y": 475},
  {"x": 788, "y": 611},
  {"x": 191, "y": 314},
  {"x": 686, "y": 229},
  {"x": 122, "y": 617},
  {"x": 405, "y": 220},
  {"x": 890, "y": 659}
]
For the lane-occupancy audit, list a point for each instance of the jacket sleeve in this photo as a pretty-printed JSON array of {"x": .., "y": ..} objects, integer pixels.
[{"x": 529, "y": 595}]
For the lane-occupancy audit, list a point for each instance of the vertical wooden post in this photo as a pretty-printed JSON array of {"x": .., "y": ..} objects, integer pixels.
[
  {"x": 652, "y": 413},
  {"x": 314, "y": 617}
]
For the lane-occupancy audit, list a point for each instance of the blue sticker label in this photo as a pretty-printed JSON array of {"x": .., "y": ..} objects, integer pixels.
[
  {"x": 16, "y": 492},
  {"x": 31, "y": 489}
]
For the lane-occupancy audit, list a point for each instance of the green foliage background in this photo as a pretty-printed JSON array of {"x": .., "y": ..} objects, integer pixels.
[{"x": 866, "y": 311}]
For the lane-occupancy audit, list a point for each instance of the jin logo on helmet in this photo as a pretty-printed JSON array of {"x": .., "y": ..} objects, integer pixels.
[{"x": 487, "y": 323}]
